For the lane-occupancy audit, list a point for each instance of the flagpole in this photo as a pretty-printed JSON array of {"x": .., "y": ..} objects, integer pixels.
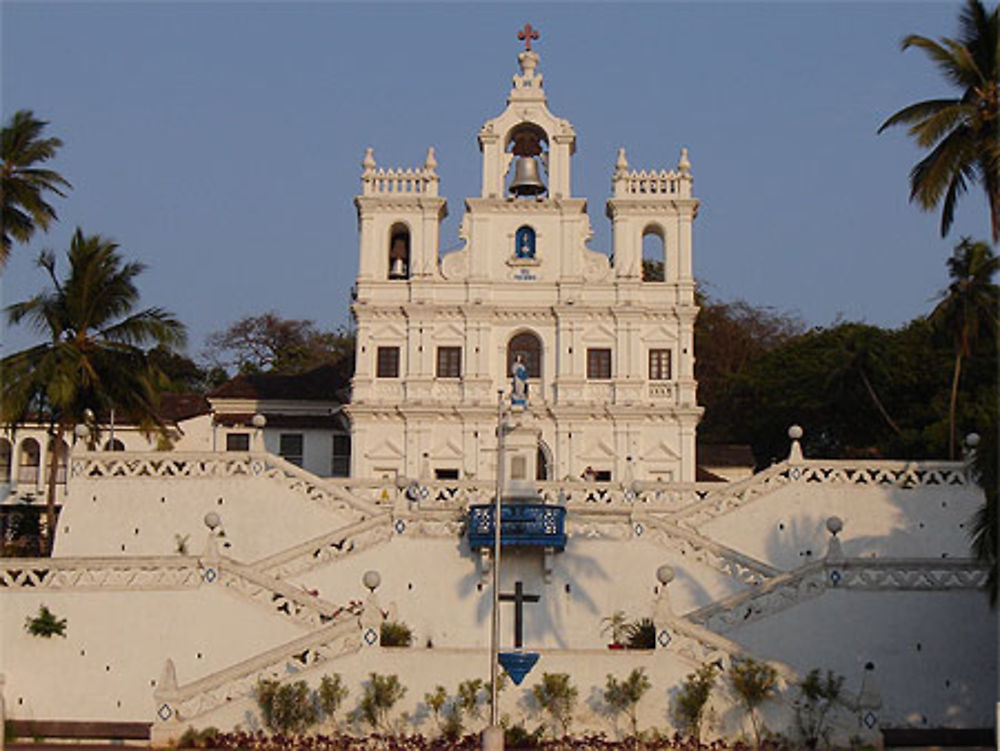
[{"x": 495, "y": 626}]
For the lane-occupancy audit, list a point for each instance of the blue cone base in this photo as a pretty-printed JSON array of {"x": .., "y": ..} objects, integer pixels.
[{"x": 518, "y": 664}]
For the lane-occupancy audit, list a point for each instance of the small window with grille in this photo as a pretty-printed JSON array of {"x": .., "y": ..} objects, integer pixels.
[
  {"x": 387, "y": 362},
  {"x": 598, "y": 364},
  {"x": 238, "y": 442},
  {"x": 449, "y": 362},
  {"x": 341, "y": 465},
  {"x": 659, "y": 364},
  {"x": 290, "y": 447}
]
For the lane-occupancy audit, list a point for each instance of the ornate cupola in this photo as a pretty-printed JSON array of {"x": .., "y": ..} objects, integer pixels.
[{"x": 527, "y": 150}]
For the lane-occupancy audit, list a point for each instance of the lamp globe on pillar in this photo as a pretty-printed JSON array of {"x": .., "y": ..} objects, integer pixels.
[
  {"x": 82, "y": 432},
  {"x": 258, "y": 421},
  {"x": 662, "y": 611}
]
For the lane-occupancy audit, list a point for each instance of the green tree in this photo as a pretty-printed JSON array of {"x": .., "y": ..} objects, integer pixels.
[
  {"x": 693, "y": 698},
  {"x": 269, "y": 343},
  {"x": 331, "y": 695},
  {"x": 556, "y": 695},
  {"x": 24, "y": 184},
  {"x": 755, "y": 683},
  {"x": 92, "y": 358},
  {"x": 961, "y": 132},
  {"x": 819, "y": 695},
  {"x": 625, "y": 695},
  {"x": 967, "y": 310},
  {"x": 382, "y": 692}
]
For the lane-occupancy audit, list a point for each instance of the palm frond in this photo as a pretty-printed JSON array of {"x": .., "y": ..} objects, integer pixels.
[{"x": 918, "y": 112}]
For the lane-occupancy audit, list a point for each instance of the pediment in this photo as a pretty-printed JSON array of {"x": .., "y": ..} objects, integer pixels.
[
  {"x": 448, "y": 449},
  {"x": 386, "y": 450},
  {"x": 597, "y": 451},
  {"x": 599, "y": 333},
  {"x": 448, "y": 333},
  {"x": 660, "y": 452},
  {"x": 658, "y": 334},
  {"x": 388, "y": 332}
]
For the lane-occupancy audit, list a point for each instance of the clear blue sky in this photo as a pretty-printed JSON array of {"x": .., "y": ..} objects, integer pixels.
[{"x": 220, "y": 143}]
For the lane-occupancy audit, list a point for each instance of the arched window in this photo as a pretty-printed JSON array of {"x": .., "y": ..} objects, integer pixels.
[
  {"x": 399, "y": 252},
  {"x": 528, "y": 346},
  {"x": 5, "y": 454},
  {"x": 543, "y": 466},
  {"x": 27, "y": 472},
  {"x": 114, "y": 445},
  {"x": 524, "y": 242},
  {"x": 654, "y": 255},
  {"x": 62, "y": 459}
]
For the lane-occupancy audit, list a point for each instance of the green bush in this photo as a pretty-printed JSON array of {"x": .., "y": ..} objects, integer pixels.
[
  {"x": 624, "y": 696},
  {"x": 331, "y": 695},
  {"x": 693, "y": 698},
  {"x": 641, "y": 634},
  {"x": 286, "y": 707},
  {"x": 395, "y": 634},
  {"x": 556, "y": 695},
  {"x": 45, "y": 624},
  {"x": 819, "y": 695},
  {"x": 382, "y": 692},
  {"x": 755, "y": 683}
]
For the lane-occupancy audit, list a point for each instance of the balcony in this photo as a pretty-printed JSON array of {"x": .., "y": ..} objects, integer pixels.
[{"x": 521, "y": 525}]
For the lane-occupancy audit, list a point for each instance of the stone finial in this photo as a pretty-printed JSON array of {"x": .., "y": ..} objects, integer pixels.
[
  {"x": 795, "y": 454},
  {"x": 168, "y": 677},
  {"x": 663, "y": 612},
  {"x": 833, "y": 525},
  {"x": 430, "y": 163},
  {"x": 369, "y": 161},
  {"x": 684, "y": 165},
  {"x": 621, "y": 164}
]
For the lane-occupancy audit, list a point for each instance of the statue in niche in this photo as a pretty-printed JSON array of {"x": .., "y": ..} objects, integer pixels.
[
  {"x": 524, "y": 243},
  {"x": 519, "y": 385}
]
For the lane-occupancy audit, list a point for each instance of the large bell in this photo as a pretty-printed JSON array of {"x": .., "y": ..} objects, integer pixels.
[{"x": 527, "y": 181}]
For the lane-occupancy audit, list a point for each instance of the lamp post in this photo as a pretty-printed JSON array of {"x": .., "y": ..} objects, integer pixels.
[{"x": 495, "y": 624}]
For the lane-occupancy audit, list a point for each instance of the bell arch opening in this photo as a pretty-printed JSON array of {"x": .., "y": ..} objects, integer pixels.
[
  {"x": 399, "y": 251},
  {"x": 654, "y": 254},
  {"x": 528, "y": 146}
]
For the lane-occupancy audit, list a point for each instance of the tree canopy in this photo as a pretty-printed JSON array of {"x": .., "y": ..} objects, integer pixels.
[{"x": 23, "y": 184}]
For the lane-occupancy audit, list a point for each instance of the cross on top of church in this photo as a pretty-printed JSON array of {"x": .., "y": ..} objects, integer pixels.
[{"x": 526, "y": 35}]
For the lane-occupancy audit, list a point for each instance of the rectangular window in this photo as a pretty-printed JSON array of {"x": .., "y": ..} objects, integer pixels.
[
  {"x": 290, "y": 447},
  {"x": 387, "y": 365},
  {"x": 599, "y": 364},
  {"x": 449, "y": 364},
  {"x": 237, "y": 442},
  {"x": 341, "y": 466},
  {"x": 659, "y": 364},
  {"x": 602, "y": 475},
  {"x": 445, "y": 474}
]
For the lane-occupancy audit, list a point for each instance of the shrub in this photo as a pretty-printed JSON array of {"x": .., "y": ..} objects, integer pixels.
[
  {"x": 45, "y": 624},
  {"x": 693, "y": 698},
  {"x": 516, "y": 736},
  {"x": 395, "y": 634},
  {"x": 331, "y": 695},
  {"x": 435, "y": 702},
  {"x": 641, "y": 634},
  {"x": 556, "y": 696},
  {"x": 616, "y": 625},
  {"x": 624, "y": 696},
  {"x": 811, "y": 709},
  {"x": 754, "y": 683},
  {"x": 382, "y": 692},
  {"x": 287, "y": 708}
]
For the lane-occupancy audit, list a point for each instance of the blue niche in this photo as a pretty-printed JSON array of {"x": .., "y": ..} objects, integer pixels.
[{"x": 524, "y": 243}]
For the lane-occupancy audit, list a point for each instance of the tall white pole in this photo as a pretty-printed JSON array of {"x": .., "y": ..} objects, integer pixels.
[{"x": 495, "y": 626}]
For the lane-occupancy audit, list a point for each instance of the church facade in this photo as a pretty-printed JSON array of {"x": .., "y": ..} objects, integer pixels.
[{"x": 607, "y": 342}]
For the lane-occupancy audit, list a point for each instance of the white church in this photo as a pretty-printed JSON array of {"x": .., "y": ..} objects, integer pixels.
[{"x": 186, "y": 576}]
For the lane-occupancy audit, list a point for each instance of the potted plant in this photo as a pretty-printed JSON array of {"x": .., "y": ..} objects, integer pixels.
[{"x": 616, "y": 625}]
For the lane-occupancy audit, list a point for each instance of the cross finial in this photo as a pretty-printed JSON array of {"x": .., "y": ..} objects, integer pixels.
[{"x": 526, "y": 35}]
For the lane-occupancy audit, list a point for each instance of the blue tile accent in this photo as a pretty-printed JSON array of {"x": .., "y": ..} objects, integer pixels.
[
  {"x": 871, "y": 720},
  {"x": 400, "y": 526},
  {"x": 795, "y": 473},
  {"x": 210, "y": 575},
  {"x": 664, "y": 638},
  {"x": 639, "y": 529},
  {"x": 370, "y": 637},
  {"x": 521, "y": 525},
  {"x": 835, "y": 577},
  {"x": 165, "y": 712}
]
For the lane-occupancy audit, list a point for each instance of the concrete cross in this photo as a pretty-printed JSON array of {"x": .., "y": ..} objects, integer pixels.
[
  {"x": 526, "y": 35},
  {"x": 518, "y": 598}
]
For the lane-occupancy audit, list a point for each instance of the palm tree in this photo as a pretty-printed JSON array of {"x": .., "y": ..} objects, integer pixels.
[
  {"x": 92, "y": 359},
  {"x": 968, "y": 308},
  {"x": 23, "y": 185},
  {"x": 961, "y": 132}
]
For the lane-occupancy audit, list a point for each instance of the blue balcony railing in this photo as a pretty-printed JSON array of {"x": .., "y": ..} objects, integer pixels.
[{"x": 521, "y": 525}]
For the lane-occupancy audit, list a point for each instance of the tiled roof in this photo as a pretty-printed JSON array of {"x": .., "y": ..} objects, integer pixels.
[{"x": 325, "y": 383}]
